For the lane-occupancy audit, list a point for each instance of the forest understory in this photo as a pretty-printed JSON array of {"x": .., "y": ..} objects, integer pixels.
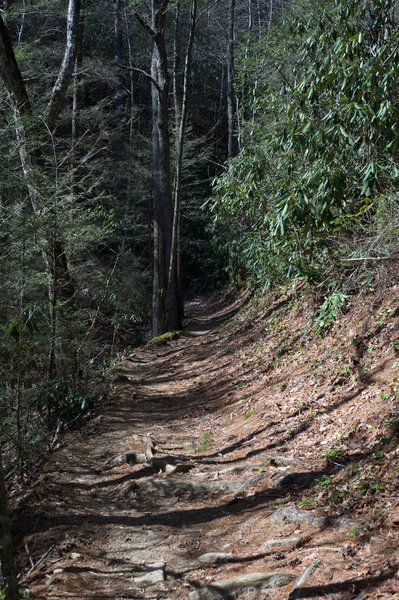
[{"x": 248, "y": 458}]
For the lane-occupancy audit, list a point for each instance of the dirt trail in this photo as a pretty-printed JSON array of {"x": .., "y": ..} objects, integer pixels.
[{"x": 213, "y": 504}]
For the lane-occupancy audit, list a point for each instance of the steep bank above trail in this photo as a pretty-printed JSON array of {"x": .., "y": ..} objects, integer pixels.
[{"x": 248, "y": 459}]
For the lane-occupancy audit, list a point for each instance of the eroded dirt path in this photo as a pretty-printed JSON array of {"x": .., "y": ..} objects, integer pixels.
[{"x": 214, "y": 504}]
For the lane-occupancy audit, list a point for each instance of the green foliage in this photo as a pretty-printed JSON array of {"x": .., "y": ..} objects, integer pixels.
[
  {"x": 64, "y": 402},
  {"x": 319, "y": 159},
  {"x": 24, "y": 594},
  {"x": 325, "y": 482},
  {"x": 331, "y": 453},
  {"x": 307, "y": 502},
  {"x": 359, "y": 531},
  {"x": 331, "y": 308},
  {"x": 206, "y": 442}
]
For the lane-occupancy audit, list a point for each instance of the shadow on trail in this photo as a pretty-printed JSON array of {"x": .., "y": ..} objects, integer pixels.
[
  {"x": 145, "y": 472},
  {"x": 352, "y": 586},
  {"x": 177, "y": 519}
]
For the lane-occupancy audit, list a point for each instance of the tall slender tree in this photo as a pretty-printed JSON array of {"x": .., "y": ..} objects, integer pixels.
[
  {"x": 181, "y": 119},
  {"x": 166, "y": 311},
  {"x": 230, "y": 79}
]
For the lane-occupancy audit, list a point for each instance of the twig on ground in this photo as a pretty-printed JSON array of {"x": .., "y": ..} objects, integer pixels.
[
  {"x": 40, "y": 561},
  {"x": 32, "y": 564},
  {"x": 294, "y": 594}
]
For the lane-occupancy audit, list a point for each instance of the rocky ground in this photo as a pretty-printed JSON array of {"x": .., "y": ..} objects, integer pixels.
[{"x": 250, "y": 458}]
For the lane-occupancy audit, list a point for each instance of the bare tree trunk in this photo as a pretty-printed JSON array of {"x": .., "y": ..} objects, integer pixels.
[
  {"x": 21, "y": 27},
  {"x": 221, "y": 95},
  {"x": 60, "y": 88},
  {"x": 118, "y": 29},
  {"x": 230, "y": 78},
  {"x": 249, "y": 15},
  {"x": 162, "y": 319},
  {"x": 176, "y": 65},
  {"x": 76, "y": 104},
  {"x": 130, "y": 57},
  {"x": 270, "y": 13},
  {"x": 174, "y": 266},
  {"x": 159, "y": 283},
  {"x": 7, "y": 563}
]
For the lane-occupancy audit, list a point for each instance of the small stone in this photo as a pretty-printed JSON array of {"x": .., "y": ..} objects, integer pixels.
[
  {"x": 159, "y": 564},
  {"x": 290, "y": 514},
  {"x": 58, "y": 571},
  {"x": 75, "y": 556},
  {"x": 179, "y": 468},
  {"x": 280, "y": 542},
  {"x": 214, "y": 558},
  {"x": 154, "y": 573}
]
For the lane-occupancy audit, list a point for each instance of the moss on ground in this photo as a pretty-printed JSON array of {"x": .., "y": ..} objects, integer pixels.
[{"x": 159, "y": 340}]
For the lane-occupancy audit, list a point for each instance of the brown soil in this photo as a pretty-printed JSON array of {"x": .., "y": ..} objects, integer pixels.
[{"x": 281, "y": 434}]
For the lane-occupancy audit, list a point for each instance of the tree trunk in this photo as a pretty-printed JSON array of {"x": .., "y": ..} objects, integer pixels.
[
  {"x": 165, "y": 315},
  {"x": 117, "y": 135},
  {"x": 159, "y": 282},
  {"x": 60, "y": 88},
  {"x": 174, "y": 278},
  {"x": 176, "y": 65},
  {"x": 230, "y": 78},
  {"x": 162, "y": 199},
  {"x": 7, "y": 564},
  {"x": 118, "y": 32},
  {"x": 130, "y": 57},
  {"x": 76, "y": 106}
]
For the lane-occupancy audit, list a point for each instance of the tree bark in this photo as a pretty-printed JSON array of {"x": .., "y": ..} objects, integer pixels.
[
  {"x": 118, "y": 33},
  {"x": 6, "y": 545},
  {"x": 176, "y": 65},
  {"x": 117, "y": 143},
  {"x": 230, "y": 78},
  {"x": 174, "y": 266},
  {"x": 131, "y": 69},
  {"x": 161, "y": 189},
  {"x": 165, "y": 315},
  {"x": 60, "y": 88},
  {"x": 76, "y": 105},
  {"x": 10, "y": 73}
]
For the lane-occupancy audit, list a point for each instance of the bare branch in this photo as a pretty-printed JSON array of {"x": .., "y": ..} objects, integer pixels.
[
  {"x": 146, "y": 26},
  {"x": 153, "y": 81},
  {"x": 205, "y": 10},
  {"x": 369, "y": 259}
]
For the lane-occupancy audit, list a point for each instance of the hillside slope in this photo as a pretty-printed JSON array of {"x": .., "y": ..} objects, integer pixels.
[{"x": 249, "y": 458}]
